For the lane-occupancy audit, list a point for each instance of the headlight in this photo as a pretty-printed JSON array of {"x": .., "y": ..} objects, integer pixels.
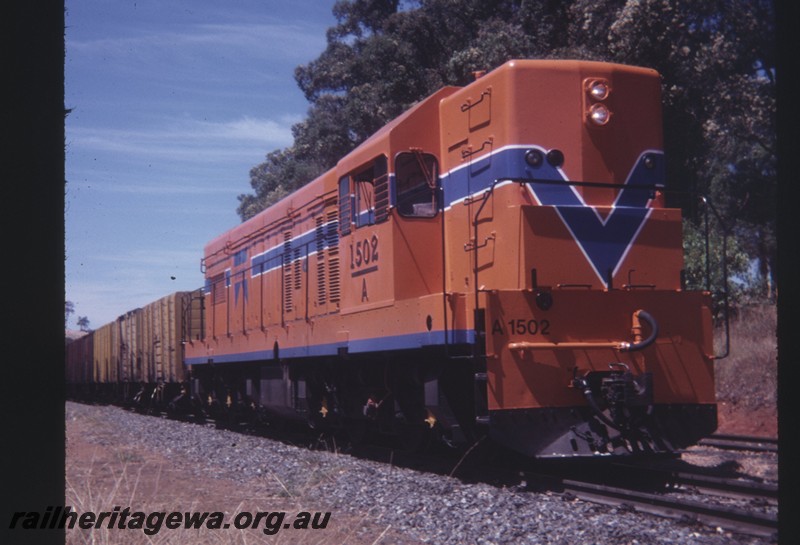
[
  {"x": 598, "y": 89},
  {"x": 595, "y": 101},
  {"x": 599, "y": 114}
]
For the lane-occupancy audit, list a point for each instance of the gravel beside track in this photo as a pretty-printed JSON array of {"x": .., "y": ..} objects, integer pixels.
[{"x": 370, "y": 502}]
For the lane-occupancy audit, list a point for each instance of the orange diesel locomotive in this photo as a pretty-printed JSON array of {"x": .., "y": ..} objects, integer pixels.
[{"x": 497, "y": 260}]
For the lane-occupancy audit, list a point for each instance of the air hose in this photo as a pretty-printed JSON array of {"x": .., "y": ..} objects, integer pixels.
[{"x": 644, "y": 316}]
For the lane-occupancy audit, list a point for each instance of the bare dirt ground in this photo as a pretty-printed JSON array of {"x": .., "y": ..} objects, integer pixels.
[
  {"x": 747, "y": 381},
  {"x": 761, "y": 422}
]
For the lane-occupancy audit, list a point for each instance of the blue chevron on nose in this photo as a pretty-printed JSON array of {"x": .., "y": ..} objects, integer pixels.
[{"x": 606, "y": 242}]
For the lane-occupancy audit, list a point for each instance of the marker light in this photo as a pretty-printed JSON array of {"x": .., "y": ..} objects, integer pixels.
[
  {"x": 599, "y": 114},
  {"x": 555, "y": 157},
  {"x": 533, "y": 157}
]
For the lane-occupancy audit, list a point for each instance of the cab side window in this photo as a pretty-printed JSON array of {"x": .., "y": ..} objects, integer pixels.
[{"x": 416, "y": 184}]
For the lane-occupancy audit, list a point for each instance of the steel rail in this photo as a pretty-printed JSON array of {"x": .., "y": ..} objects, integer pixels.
[
  {"x": 734, "y": 519},
  {"x": 741, "y": 442},
  {"x": 737, "y": 487}
]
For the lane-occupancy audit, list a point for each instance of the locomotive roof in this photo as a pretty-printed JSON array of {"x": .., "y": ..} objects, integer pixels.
[{"x": 377, "y": 143}]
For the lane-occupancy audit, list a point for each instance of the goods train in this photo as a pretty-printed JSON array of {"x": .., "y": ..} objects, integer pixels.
[{"x": 498, "y": 261}]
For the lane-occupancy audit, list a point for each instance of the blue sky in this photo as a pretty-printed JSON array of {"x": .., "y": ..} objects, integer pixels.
[{"x": 173, "y": 103}]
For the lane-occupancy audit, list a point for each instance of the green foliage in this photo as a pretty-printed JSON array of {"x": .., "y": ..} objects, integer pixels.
[
  {"x": 705, "y": 270},
  {"x": 717, "y": 60},
  {"x": 83, "y": 323}
]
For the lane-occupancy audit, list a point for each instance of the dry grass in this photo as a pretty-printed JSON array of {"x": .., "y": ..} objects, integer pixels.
[
  {"x": 137, "y": 484},
  {"x": 748, "y": 377},
  {"x": 106, "y": 468}
]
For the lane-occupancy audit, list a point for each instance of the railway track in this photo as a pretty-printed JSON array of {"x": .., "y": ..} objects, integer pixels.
[
  {"x": 728, "y": 517},
  {"x": 674, "y": 489},
  {"x": 741, "y": 442},
  {"x": 707, "y": 484}
]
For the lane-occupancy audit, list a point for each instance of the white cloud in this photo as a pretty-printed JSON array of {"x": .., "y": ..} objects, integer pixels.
[
  {"x": 268, "y": 41},
  {"x": 188, "y": 139},
  {"x": 290, "y": 43},
  {"x": 252, "y": 129}
]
